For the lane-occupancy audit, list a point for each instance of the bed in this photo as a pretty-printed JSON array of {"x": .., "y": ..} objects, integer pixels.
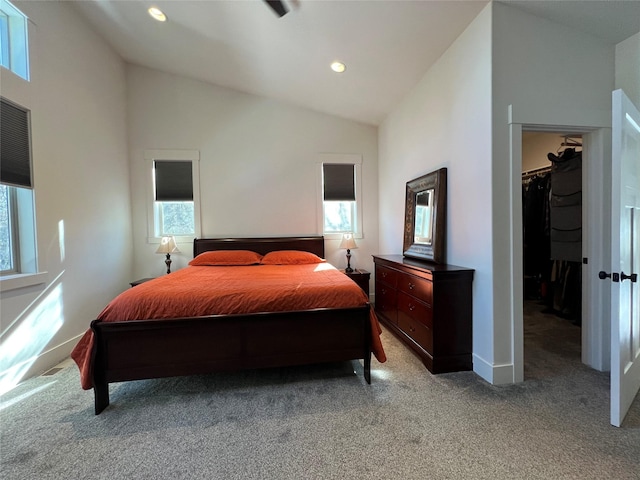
[{"x": 209, "y": 328}]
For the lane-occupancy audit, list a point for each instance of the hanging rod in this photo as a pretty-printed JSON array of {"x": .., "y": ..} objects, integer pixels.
[
  {"x": 535, "y": 171},
  {"x": 571, "y": 142}
]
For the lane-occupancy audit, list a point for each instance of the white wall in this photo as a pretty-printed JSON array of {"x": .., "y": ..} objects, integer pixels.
[
  {"x": 446, "y": 122},
  {"x": 81, "y": 177},
  {"x": 628, "y": 67},
  {"x": 508, "y": 67},
  {"x": 549, "y": 75},
  {"x": 258, "y": 162}
]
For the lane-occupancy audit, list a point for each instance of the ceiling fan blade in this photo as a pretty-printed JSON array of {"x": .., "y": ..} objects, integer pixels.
[{"x": 277, "y": 7}]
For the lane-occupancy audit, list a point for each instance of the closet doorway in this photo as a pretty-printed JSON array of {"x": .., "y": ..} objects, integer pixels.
[
  {"x": 552, "y": 234},
  {"x": 596, "y": 245}
]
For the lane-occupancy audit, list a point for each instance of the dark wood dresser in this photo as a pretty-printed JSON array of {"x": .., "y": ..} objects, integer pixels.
[{"x": 428, "y": 306}]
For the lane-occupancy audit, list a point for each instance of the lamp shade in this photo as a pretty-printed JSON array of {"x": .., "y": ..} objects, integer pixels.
[
  {"x": 167, "y": 245},
  {"x": 348, "y": 241}
]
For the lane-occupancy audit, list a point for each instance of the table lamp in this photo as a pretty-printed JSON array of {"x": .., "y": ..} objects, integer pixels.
[
  {"x": 168, "y": 246},
  {"x": 349, "y": 243}
]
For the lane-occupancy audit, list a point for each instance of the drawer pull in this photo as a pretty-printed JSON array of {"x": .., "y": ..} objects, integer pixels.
[
  {"x": 411, "y": 307},
  {"x": 412, "y": 329},
  {"x": 411, "y": 286},
  {"x": 383, "y": 291},
  {"x": 384, "y": 274}
]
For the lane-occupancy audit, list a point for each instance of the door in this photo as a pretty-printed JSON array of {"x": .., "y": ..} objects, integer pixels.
[{"x": 625, "y": 257}]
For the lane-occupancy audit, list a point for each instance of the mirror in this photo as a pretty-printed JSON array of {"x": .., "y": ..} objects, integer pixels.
[{"x": 425, "y": 217}]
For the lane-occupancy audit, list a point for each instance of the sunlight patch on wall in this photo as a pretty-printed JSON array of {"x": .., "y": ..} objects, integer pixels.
[
  {"x": 29, "y": 335},
  {"x": 61, "y": 237}
]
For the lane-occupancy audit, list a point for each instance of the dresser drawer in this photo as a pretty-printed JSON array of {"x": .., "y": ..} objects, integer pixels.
[
  {"x": 422, "y": 335},
  {"x": 415, "y": 309},
  {"x": 416, "y": 286},
  {"x": 386, "y": 275},
  {"x": 433, "y": 309},
  {"x": 386, "y": 302}
]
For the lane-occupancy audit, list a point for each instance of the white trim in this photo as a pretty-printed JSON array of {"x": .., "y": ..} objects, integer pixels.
[
  {"x": 503, "y": 374},
  {"x": 596, "y": 303},
  {"x": 595, "y": 344},
  {"x": 350, "y": 158},
  {"x": 494, "y": 374},
  {"x": 169, "y": 154},
  {"x": 517, "y": 272},
  {"x": 22, "y": 280},
  {"x": 539, "y": 118},
  {"x": 38, "y": 364},
  {"x": 19, "y": 40},
  {"x": 192, "y": 156},
  {"x": 482, "y": 368}
]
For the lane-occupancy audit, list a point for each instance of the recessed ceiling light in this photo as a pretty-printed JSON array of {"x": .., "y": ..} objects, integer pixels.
[
  {"x": 157, "y": 14},
  {"x": 338, "y": 67}
]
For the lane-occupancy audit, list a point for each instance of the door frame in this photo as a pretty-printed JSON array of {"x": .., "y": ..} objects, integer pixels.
[{"x": 596, "y": 300}]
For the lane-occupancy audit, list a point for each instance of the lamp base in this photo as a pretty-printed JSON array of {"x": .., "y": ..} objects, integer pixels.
[
  {"x": 348, "y": 269},
  {"x": 168, "y": 263}
]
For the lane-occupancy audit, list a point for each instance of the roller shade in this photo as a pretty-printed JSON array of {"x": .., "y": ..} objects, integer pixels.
[
  {"x": 174, "y": 181},
  {"x": 15, "y": 145},
  {"x": 422, "y": 198},
  {"x": 339, "y": 184}
]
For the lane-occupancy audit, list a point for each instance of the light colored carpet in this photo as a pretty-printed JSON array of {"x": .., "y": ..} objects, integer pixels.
[{"x": 325, "y": 422}]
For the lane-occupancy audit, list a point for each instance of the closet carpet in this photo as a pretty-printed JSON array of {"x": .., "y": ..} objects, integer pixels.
[{"x": 325, "y": 422}]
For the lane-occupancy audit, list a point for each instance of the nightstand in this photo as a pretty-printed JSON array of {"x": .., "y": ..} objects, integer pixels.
[
  {"x": 142, "y": 280},
  {"x": 361, "y": 277}
]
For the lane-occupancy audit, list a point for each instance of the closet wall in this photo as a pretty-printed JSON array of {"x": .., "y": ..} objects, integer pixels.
[{"x": 552, "y": 222}]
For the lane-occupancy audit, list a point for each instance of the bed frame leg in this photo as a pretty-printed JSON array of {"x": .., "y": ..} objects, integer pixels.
[
  {"x": 367, "y": 368},
  {"x": 101, "y": 394}
]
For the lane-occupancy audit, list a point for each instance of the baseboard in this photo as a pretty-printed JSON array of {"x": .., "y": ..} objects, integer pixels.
[
  {"x": 494, "y": 374},
  {"x": 36, "y": 365}
]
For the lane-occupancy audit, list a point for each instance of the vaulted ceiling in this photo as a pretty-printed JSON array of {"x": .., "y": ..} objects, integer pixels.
[{"x": 387, "y": 46}]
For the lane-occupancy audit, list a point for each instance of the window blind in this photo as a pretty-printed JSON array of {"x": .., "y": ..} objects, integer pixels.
[
  {"x": 174, "y": 181},
  {"x": 15, "y": 145},
  {"x": 339, "y": 184},
  {"x": 423, "y": 199}
]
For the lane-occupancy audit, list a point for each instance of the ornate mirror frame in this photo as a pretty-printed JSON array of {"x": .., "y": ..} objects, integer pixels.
[{"x": 434, "y": 251}]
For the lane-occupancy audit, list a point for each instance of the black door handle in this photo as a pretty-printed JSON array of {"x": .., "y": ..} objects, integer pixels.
[
  {"x": 633, "y": 277},
  {"x": 615, "y": 277}
]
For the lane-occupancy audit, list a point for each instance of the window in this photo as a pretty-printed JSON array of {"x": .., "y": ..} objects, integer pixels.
[
  {"x": 339, "y": 197},
  {"x": 17, "y": 219},
  {"x": 174, "y": 200},
  {"x": 14, "y": 52},
  {"x": 4, "y": 40},
  {"x": 341, "y": 211},
  {"x": 8, "y": 244}
]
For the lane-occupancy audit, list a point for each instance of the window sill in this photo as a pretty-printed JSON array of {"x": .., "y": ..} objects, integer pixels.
[
  {"x": 338, "y": 236},
  {"x": 177, "y": 238},
  {"x": 22, "y": 280}
]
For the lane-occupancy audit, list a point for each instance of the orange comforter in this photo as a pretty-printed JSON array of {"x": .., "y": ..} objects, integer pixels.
[{"x": 207, "y": 290}]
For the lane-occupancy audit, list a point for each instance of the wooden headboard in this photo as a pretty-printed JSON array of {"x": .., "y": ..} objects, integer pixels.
[{"x": 313, "y": 244}]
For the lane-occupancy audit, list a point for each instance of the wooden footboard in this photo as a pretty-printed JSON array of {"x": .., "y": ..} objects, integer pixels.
[{"x": 143, "y": 349}]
